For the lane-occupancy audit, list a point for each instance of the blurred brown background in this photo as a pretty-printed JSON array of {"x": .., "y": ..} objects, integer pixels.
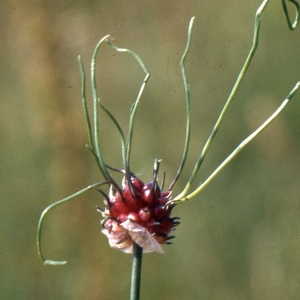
[{"x": 240, "y": 238}]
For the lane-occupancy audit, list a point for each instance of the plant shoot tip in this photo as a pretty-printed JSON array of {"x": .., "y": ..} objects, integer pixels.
[{"x": 54, "y": 263}]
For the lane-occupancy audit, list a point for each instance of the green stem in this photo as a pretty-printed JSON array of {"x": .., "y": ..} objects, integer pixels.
[{"x": 136, "y": 269}]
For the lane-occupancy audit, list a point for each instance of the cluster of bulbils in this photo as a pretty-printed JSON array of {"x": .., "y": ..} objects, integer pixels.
[{"x": 138, "y": 212}]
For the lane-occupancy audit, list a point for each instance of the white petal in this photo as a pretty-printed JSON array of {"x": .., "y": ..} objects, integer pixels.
[
  {"x": 119, "y": 240},
  {"x": 142, "y": 237}
]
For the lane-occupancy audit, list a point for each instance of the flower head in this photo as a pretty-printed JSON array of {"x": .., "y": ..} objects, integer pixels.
[{"x": 138, "y": 213}]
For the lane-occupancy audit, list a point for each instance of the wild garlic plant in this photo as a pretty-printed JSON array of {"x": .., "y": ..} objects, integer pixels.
[{"x": 136, "y": 217}]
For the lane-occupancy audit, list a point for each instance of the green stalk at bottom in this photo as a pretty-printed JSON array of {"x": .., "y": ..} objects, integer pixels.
[{"x": 136, "y": 272}]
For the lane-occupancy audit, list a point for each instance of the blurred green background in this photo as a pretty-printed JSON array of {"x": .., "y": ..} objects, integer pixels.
[{"x": 240, "y": 238}]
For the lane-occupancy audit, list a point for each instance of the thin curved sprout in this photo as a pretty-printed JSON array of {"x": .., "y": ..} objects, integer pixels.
[
  {"x": 115, "y": 169},
  {"x": 157, "y": 162},
  {"x": 163, "y": 181},
  {"x": 239, "y": 147},
  {"x": 47, "y": 209},
  {"x": 188, "y": 105},
  {"x": 287, "y": 16},
  {"x": 120, "y": 131},
  {"x": 84, "y": 104},
  {"x": 91, "y": 145},
  {"x": 96, "y": 114},
  {"x": 228, "y": 102},
  {"x": 133, "y": 109}
]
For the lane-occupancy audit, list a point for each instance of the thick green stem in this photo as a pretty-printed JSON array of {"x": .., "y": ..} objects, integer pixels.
[{"x": 136, "y": 272}]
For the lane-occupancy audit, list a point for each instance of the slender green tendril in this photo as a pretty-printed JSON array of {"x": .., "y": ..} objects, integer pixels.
[
  {"x": 47, "y": 209},
  {"x": 119, "y": 129},
  {"x": 84, "y": 104},
  {"x": 188, "y": 104},
  {"x": 133, "y": 109},
  {"x": 292, "y": 26},
  {"x": 96, "y": 113}
]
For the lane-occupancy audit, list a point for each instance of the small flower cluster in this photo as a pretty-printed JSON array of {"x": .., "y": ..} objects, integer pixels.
[{"x": 138, "y": 213}]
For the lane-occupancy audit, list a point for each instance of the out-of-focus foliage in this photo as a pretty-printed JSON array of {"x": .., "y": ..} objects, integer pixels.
[{"x": 240, "y": 238}]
